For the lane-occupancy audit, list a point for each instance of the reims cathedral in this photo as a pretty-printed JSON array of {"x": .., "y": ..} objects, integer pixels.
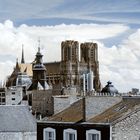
[{"x": 78, "y": 62}]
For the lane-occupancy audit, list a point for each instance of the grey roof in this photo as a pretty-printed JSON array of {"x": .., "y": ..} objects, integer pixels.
[{"x": 16, "y": 118}]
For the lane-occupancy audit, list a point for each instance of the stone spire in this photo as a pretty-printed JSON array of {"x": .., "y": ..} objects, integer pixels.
[{"x": 22, "y": 57}]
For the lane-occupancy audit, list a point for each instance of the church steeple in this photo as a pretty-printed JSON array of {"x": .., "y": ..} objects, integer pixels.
[{"x": 22, "y": 57}]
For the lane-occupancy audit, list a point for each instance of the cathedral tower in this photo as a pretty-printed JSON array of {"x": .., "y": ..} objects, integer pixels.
[
  {"x": 70, "y": 51},
  {"x": 89, "y": 52},
  {"x": 89, "y": 56},
  {"x": 69, "y": 62}
]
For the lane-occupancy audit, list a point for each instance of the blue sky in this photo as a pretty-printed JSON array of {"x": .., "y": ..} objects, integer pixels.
[
  {"x": 38, "y": 11},
  {"x": 113, "y": 24}
]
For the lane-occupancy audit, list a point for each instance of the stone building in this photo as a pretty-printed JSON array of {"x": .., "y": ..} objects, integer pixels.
[
  {"x": 68, "y": 73},
  {"x": 71, "y": 124},
  {"x": 124, "y": 118},
  {"x": 121, "y": 116},
  {"x": 76, "y": 60}
]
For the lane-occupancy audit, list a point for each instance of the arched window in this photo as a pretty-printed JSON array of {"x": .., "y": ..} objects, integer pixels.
[
  {"x": 93, "y": 134},
  {"x": 70, "y": 134},
  {"x": 49, "y": 134}
]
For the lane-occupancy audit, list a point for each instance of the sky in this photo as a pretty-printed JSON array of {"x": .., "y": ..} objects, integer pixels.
[{"x": 114, "y": 25}]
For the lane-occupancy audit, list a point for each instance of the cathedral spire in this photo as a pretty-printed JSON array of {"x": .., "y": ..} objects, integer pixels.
[
  {"x": 17, "y": 68},
  {"x": 22, "y": 58}
]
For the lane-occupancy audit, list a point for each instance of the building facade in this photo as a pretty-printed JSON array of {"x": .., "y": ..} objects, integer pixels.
[
  {"x": 14, "y": 95},
  {"x": 72, "y": 131},
  {"x": 73, "y": 65}
]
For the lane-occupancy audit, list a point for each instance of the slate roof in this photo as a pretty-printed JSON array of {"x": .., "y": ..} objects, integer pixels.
[
  {"x": 121, "y": 109},
  {"x": 16, "y": 119},
  {"x": 74, "y": 113},
  {"x": 53, "y": 68}
]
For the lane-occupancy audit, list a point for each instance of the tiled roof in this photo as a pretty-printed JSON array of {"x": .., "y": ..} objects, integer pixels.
[
  {"x": 16, "y": 118},
  {"x": 123, "y": 108},
  {"x": 26, "y": 67},
  {"x": 52, "y": 68},
  {"x": 74, "y": 113}
]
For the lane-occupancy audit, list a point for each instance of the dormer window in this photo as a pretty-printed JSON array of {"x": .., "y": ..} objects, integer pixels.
[
  {"x": 70, "y": 134},
  {"x": 93, "y": 135},
  {"x": 49, "y": 134}
]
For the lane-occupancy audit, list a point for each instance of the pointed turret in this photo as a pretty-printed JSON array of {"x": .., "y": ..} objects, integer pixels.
[
  {"x": 22, "y": 57},
  {"x": 39, "y": 71}
]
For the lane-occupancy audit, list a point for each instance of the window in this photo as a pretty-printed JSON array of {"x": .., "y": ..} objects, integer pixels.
[
  {"x": 13, "y": 93},
  {"x": 49, "y": 134},
  {"x": 13, "y": 99},
  {"x": 3, "y": 99},
  {"x": 3, "y": 94},
  {"x": 93, "y": 135},
  {"x": 70, "y": 134}
]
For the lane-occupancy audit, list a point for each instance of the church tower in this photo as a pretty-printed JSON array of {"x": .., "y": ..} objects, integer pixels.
[
  {"x": 70, "y": 51},
  {"x": 89, "y": 56},
  {"x": 69, "y": 62},
  {"x": 39, "y": 71},
  {"x": 89, "y": 52}
]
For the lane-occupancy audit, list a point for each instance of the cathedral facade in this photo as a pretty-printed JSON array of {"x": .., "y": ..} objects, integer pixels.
[{"x": 76, "y": 60}]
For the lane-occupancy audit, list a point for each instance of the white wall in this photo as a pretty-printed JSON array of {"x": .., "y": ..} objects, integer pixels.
[{"x": 18, "y": 95}]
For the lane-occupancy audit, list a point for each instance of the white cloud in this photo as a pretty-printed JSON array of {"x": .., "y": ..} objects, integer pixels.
[
  {"x": 118, "y": 64},
  {"x": 121, "y": 64}
]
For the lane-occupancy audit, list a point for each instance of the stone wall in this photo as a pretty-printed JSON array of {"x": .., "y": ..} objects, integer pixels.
[
  {"x": 128, "y": 128},
  {"x": 42, "y": 102}
]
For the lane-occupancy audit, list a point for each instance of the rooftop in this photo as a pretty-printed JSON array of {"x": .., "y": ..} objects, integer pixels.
[
  {"x": 16, "y": 118},
  {"x": 121, "y": 109},
  {"x": 74, "y": 113}
]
